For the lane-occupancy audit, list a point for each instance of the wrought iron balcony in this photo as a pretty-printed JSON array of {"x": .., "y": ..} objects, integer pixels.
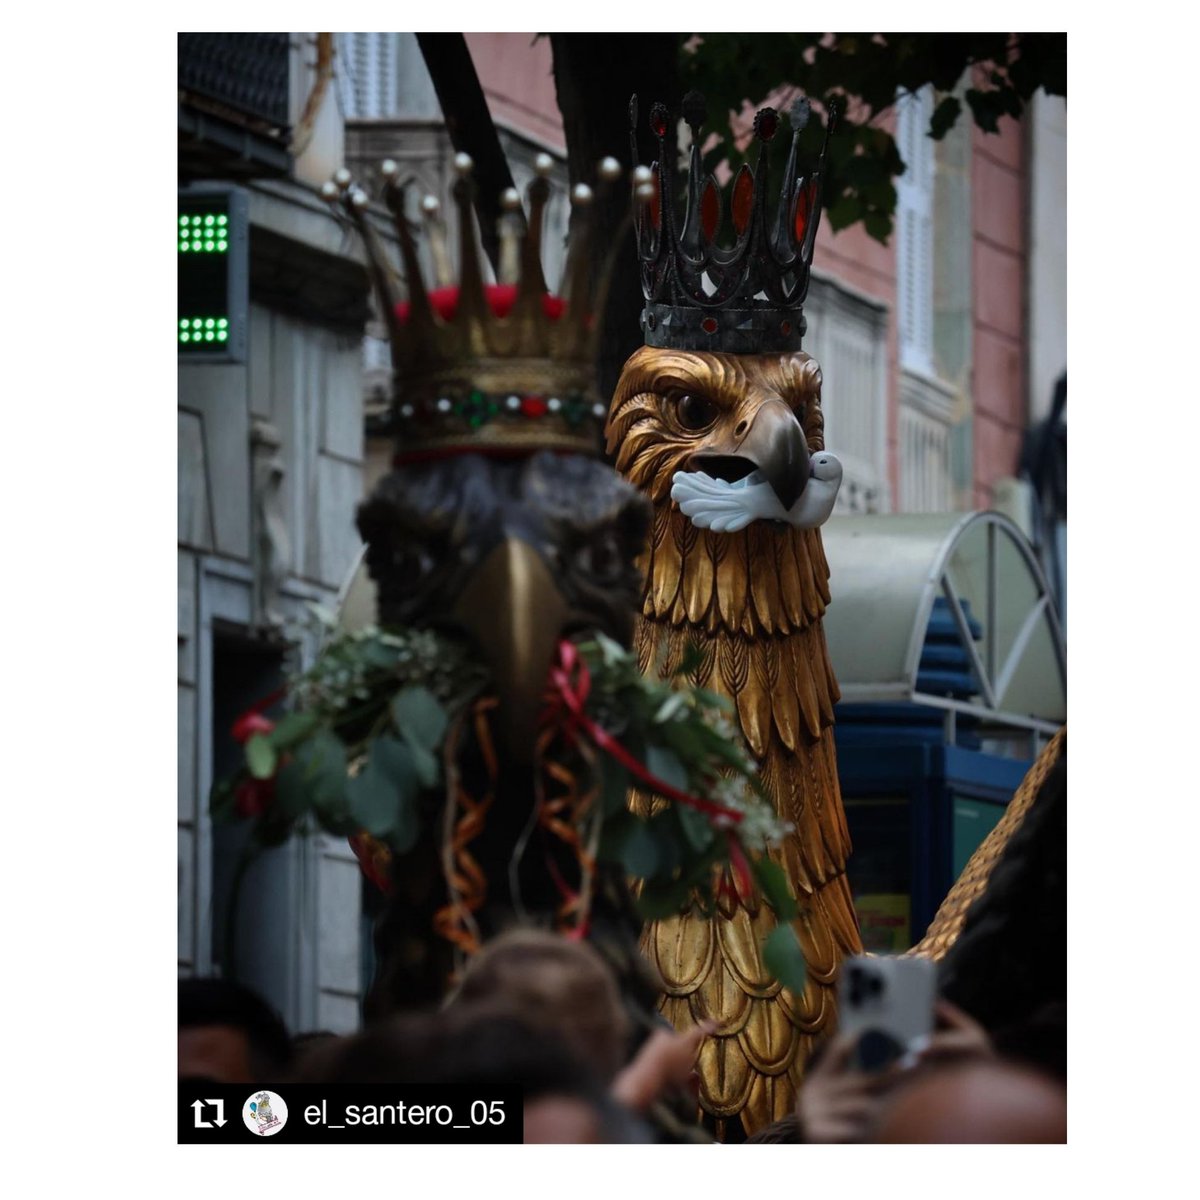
[{"x": 234, "y": 104}]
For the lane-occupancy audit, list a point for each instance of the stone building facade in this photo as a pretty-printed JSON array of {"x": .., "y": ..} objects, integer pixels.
[{"x": 269, "y": 473}]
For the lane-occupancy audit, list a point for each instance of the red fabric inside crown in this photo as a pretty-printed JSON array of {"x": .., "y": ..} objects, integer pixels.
[{"x": 500, "y": 296}]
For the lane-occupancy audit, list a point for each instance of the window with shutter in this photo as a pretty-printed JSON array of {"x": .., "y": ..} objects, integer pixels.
[
  {"x": 926, "y": 401},
  {"x": 367, "y": 74},
  {"x": 847, "y": 335},
  {"x": 914, "y": 223}
]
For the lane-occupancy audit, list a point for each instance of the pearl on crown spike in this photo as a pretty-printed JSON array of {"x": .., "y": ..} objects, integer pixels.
[
  {"x": 359, "y": 198},
  {"x": 329, "y": 190},
  {"x": 642, "y": 175},
  {"x": 430, "y": 206},
  {"x": 389, "y": 168},
  {"x": 609, "y": 169},
  {"x": 463, "y": 163},
  {"x": 644, "y": 192},
  {"x": 543, "y": 164},
  {"x": 581, "y": 194},
  {"x": 342, "y": 178},
  {"x": 510, "y": 199}
]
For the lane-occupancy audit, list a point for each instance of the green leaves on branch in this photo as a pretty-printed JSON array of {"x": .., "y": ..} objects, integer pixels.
[
  {"x": 418, "y": 717},
  {"x": 773, "y": 883},
  {"x": 383, "y": 795},
  {"x": 260, "y": 757},
  {"x": 421, "y": 722},
  {"x": 314, "y": 780},
  {"x": 783, "y": 956},
  {"x": 865, "y": 73}
]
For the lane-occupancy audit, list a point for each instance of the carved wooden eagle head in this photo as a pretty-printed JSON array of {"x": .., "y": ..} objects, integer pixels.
[{"x": 726, "y": 415}]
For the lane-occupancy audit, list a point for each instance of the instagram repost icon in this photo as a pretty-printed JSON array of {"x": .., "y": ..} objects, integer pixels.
[{"x": 265, "y": 1113}]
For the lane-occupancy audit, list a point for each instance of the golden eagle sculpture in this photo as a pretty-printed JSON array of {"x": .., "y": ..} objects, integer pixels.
[{"x": 717, "y": 419}]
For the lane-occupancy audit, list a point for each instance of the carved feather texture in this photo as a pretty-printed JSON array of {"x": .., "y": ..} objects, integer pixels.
[
  {"x": 781, "y": 687},
  {"x": 754, "y": 601}
]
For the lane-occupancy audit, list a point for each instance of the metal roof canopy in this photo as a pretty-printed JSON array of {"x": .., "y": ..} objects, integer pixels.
[{"x": 885, "y": 573}]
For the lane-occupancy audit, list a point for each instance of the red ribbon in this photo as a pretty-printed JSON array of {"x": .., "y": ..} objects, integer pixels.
[
  {"x": 741, "y": 869},
  {"x": 573, "y": 683}
]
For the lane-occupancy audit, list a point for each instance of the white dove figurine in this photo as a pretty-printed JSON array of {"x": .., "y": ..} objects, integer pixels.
[{"x": 727, "y": 507}]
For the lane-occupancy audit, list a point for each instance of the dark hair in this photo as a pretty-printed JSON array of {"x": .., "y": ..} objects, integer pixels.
[
  {"x": 479, "y": 1046},
  {"x": 786, "y": 1129},
  {"x": 204, "y": 1002}
]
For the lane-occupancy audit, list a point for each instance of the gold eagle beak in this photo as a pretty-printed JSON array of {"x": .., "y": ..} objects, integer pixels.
[
  {"x": 516, "y": 613},
  {"x": 774, "y": 443}
]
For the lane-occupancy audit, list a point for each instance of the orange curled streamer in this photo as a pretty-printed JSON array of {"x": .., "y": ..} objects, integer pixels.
[
  {"x": 562, "y": 816},
  {"x": 465, "y": 880}
]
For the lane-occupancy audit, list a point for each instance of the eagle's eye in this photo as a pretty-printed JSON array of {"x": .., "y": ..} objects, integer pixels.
[
  {"x": 602, "y": 556},
  {"x": 695, "y": 412},
  {"x": 411, "y": 562}
]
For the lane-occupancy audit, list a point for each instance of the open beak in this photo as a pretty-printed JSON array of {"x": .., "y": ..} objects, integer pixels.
[
  {"x": 516, "y": 614},
  {"x": 774, "y": 444}
]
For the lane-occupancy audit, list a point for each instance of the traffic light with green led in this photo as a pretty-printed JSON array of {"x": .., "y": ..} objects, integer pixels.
[{"x": 213, "y": 252}]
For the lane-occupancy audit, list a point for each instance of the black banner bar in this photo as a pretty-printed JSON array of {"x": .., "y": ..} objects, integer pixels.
[{"x": 347, "y": 1114}]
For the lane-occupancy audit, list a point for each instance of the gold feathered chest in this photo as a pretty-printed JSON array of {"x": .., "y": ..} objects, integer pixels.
[{"x": 750, "y": 603}]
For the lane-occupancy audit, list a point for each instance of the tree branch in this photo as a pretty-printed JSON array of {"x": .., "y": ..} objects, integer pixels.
[{"x": 471, "y": 128}]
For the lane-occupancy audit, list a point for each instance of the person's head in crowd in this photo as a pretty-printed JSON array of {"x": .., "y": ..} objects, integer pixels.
[
  {"x": 227, "y": 1034},
  {"x": 784, "y": 1131},
  {"x": 978, "y": 1101},
  {"x": 556, "y": 985},
  {"x": 489, "y": 1050}
]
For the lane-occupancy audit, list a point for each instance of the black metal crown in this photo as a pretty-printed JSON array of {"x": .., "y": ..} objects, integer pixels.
[{"x": 746, "y": 298}]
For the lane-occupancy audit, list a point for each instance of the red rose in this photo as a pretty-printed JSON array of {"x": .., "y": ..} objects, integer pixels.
[
  {"x": 254, "y": 796},
  {"x": 250, "y": 723}
]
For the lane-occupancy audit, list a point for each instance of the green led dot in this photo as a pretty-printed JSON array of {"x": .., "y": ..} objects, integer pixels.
[
  {"x": 183, "y": 245},
  {"x": 222, "y": 245},
  {"x": 197, "y": 322},
  {"x": 184, "y": 323},
  {"x": 185, "y": 337},
  {"x": 222, "y": 335},
  {"x": 208, "y": 337},
  {"x": 222, "y": 219},
  {"x": 209, "y": 219},
  {"x": 183, "y": 220},
  {"x": 195, "y": 245},
  {"x": 208, "y": 245},
  {"x": 222, "y": 322},
  {"x": 209, "y": 323}
]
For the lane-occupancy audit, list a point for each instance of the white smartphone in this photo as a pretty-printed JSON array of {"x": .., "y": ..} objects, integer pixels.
[{"x": 888, "y": 1002}]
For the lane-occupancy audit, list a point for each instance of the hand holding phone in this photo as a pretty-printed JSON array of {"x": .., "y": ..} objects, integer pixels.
[{"x": 886, "y": 1003}]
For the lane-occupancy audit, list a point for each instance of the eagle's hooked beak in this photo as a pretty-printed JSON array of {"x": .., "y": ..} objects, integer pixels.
[
  {"x": 516, "y": 613},
  {"x": 774, "y": 443}
]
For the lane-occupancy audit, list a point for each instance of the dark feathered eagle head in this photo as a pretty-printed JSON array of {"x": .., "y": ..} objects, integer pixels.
[{"x": 514, "y": 554}]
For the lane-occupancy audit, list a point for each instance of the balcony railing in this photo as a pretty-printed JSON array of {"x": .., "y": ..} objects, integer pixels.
[{"x": 234, "y": 96}]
